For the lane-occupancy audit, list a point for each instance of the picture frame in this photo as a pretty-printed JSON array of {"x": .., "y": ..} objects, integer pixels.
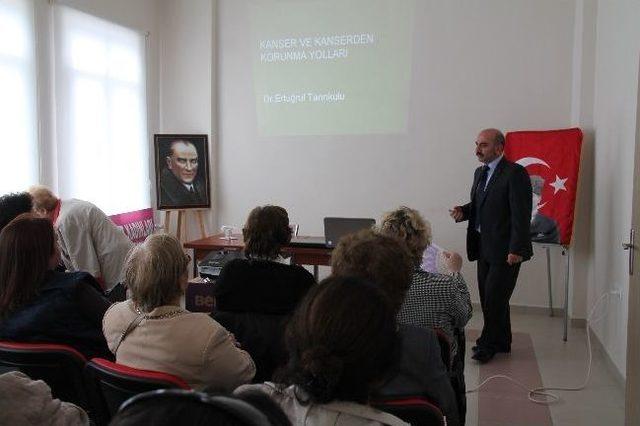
[{"x": 182, "y": 171}]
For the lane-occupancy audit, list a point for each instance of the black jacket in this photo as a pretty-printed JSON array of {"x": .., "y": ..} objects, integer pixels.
[
  {"x": 56, "y": 315},
  {"x": 254, "y": 300},
  {"x": 505, "y": 215},
  {"x": 174, "y": 194}
]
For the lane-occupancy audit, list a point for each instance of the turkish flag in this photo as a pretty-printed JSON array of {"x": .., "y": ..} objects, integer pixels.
[{"x": 552, "y": 159}]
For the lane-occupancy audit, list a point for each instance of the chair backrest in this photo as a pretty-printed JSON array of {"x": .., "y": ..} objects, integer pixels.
[
  {"x": 416, "y": 410},
  {"x": 445, "y": 348},
  {"x": 60, "y": 366},
  {"x": 111, "y": 384}
]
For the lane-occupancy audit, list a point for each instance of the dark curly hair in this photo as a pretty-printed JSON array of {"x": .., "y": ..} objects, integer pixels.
[
  {"x": 337, "y": 351},
  {"x": 12, "y": 205},
  {"x": 266, "y": 231},
  {"x": 382, "y": 259}
]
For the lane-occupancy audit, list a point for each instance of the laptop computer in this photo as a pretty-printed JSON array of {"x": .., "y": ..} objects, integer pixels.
[
  {"x": 337, "y": 227},
  {"x": 334, "y": 229}
]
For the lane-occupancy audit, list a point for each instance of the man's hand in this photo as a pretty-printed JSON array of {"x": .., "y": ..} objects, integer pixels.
[
  {"x": 512, "y": 259},
  {"x": 452, "y": 260},
  {"x": 456, "y": 214}
]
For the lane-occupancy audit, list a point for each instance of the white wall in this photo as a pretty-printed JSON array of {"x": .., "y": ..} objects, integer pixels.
[
  {"x": 617, "y": 54},
  {"x": 186, "y": 78},
  {"x": 584, "y": 53},
  {"x": 499, "y": 63}
]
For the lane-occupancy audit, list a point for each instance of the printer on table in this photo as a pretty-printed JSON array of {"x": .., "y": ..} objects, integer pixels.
[{"x": 212, "y": 264}]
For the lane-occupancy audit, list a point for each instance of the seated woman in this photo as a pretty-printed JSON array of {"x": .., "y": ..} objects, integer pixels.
[
  {"x": 337, "y": 355},
  {"x": 433, "y": 300},
  {"x": 38, "y": 304},
  {"x": 152, "y": 332},
  {"x": 255, "y": 295},
  {"x": 386, "y": 262}
]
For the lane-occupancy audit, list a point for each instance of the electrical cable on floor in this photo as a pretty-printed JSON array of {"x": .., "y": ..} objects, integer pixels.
[{"x": 542, "y": 395}]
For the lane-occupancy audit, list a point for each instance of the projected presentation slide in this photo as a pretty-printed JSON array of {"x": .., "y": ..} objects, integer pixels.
[{"x": 332, "y": 67}]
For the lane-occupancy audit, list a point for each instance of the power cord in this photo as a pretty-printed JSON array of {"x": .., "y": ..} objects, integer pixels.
[{"x": 542, "y": 395}]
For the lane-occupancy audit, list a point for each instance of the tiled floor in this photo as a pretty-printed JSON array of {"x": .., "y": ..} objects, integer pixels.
[{"x": 539, "y": 356}]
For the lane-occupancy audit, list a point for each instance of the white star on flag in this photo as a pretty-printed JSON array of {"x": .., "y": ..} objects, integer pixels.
[{"x": 558, "y": 185}]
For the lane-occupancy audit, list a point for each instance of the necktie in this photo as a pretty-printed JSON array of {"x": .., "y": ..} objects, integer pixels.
[
  {"x": 480, "y": 189},
  {"x": 482, "y": 183},
  {"x": 191, "y": 191}
]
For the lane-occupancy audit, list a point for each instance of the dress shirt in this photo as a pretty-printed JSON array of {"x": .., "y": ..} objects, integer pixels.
[{"x": 492, "y": 167}]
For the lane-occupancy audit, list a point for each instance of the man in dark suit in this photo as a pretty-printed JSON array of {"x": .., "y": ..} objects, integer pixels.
[
  {"x": 179, "y": 183},
  {"x": 499, "y": 215}
]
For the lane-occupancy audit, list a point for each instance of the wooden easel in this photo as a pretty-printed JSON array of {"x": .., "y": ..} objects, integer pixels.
[{"x": 181, "y": 228}]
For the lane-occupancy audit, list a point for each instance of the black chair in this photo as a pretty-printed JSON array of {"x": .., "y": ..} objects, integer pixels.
[
  {"x": 60, "y": 366},
  {"x": 111, "y": 384},
  {"x": 416, "y": 410},
  {"x": 445, "y": 348}
]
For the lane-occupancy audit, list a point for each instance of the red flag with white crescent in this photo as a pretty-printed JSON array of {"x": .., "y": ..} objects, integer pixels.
[{"x": 552, "y": 159}]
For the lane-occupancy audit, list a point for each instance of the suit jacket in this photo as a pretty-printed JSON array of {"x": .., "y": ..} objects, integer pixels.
[
  {"x": 505, "y": 215},
  {"x": 174, "y": 194}
]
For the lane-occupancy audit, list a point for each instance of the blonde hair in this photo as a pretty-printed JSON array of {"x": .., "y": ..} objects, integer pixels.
[
  {"x": 42, "y": 198},
  {"x": 407, "y": 224},
  {"x": 153, "y": 271}
]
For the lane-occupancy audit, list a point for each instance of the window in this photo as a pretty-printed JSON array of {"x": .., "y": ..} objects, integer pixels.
[
  {"x": 101, "y": 122},
  {"x": 18, "y": 120}
]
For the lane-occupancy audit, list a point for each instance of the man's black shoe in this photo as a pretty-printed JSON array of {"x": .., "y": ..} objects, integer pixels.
[
  {"x": 483, "y": 355},
  {"x": 504, "y": 349}
]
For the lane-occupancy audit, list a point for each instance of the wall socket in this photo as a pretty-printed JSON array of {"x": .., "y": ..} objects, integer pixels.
[{"x": 616, "y": 293}]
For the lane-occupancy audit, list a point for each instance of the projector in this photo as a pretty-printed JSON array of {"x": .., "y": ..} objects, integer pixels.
[{"x": 212, "y": 264}]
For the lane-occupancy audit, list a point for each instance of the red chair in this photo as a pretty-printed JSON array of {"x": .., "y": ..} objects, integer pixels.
[
  {"x": 60, "y": 366},
  {"x": 417, "y": 410},
  {"x": 111, "y": 384}
]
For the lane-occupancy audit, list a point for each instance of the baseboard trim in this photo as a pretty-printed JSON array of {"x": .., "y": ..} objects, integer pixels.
[
  {"x": 596, "y": 345},
  {"x": 542, "y": 310},
  {"x": 534, "y": 310},
  {"x": 578, "y": 323}
]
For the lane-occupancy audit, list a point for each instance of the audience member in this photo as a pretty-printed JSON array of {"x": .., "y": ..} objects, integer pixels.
[
  {"x": 12, "y": 205},
  {"x": 433, "y": 300},
  {"x": 152, "y": 332},
  {"x": 38, "y": 304},
  {"x": 88, "y": 240},
  {"x": 387, "y": 262},
  {"x": 172, "y": 406},
  {"x": 337, "y": 355},
  {"x": 256, "y": 295},
  {"x": 29, "y": 402}
]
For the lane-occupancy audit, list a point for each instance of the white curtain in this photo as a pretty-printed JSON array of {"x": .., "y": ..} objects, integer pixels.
[
  {"x": 101, "y": 122},
  {"x": 18, "y": 120}
]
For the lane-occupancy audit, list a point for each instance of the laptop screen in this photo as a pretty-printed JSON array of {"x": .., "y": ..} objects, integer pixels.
[{"x": 337, "y": 227}]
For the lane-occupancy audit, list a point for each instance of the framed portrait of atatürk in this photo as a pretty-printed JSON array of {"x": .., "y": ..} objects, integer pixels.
[{"x": 182, "y": 172}]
